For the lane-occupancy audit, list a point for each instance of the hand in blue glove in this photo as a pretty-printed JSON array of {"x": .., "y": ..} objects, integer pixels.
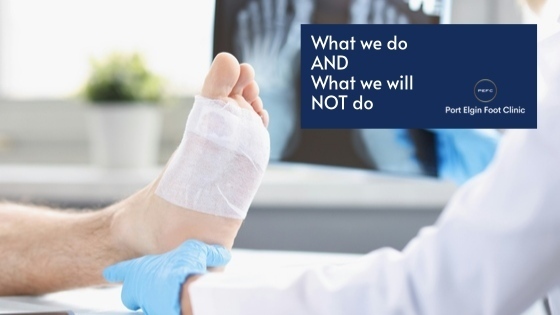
[
  {"x": 154, "y": 282},
  {"x": 463, "y": 153}
]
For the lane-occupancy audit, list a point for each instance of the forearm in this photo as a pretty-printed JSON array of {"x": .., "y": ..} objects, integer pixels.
[{"x": 46, "y": 250}]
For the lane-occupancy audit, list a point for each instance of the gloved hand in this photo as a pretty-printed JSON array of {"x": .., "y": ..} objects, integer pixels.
[
  {"x": 463, "y": 153},
  {"x": 154, "y": 282}
]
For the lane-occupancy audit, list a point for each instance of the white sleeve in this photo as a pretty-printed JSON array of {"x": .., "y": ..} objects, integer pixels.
[
  {"x": 495, "y": 250},
  {"x": 554, "y": 301}
]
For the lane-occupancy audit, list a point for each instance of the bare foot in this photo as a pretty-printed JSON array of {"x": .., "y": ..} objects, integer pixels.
[{"x": 147, "y": 224}]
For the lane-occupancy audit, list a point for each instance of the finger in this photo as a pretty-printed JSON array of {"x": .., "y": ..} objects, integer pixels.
[
  {"x": 117, "y": 272},
  {"x": 191, "y": 246},
  {"x": 128, "y": 298},
  {"x": 217, "y": 256}
]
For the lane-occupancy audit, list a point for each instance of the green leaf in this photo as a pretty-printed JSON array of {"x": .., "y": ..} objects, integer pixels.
[{"x": 123, "y": 78}]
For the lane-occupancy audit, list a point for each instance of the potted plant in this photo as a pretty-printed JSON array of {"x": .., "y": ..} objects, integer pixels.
[{"x": 125, "y": 122}]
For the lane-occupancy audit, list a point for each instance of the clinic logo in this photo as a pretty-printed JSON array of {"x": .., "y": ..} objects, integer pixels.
[{"x": 485, "y": 90}]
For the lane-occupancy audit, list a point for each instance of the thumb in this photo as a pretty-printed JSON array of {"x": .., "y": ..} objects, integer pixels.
[
  {"x": 117, "y": 272},
  {"x": 217, "y": 256}
]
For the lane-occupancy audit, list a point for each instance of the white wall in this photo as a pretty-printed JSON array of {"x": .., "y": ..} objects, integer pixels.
[
  {"x": 47, "y": 45},
  {"x": 485, "y": 11},
  {"x": 2, "y": 21}
]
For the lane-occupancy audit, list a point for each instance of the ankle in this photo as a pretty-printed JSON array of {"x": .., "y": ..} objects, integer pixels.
[
  {"x": 147, "y": 224},
  {"x": 176, "y": 225},
  {"x": 126, "y": 234}
]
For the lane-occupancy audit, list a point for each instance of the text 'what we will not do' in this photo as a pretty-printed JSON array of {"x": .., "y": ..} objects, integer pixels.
[{"x": 327, "y": 70}]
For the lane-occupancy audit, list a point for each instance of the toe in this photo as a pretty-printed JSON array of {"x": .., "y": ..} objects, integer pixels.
[
  {"x": 265, "y": 118},
  {"x": 222, "y": 77},
  {"x": 246, "y": 76},
  {"x": 257, "y": 105},
  {"x": 251, "y": 92}
]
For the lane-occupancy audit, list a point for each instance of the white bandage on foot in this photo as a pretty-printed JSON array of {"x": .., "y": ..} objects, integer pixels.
[{"x": 220, "y": 162}]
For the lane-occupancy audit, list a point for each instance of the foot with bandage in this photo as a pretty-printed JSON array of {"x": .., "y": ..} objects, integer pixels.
[
  {"x": 210, "y": 181},
  {"x": 271, "y": 30}
]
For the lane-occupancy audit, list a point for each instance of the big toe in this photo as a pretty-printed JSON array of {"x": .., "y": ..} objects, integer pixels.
[{"x": 222, "y": 77}]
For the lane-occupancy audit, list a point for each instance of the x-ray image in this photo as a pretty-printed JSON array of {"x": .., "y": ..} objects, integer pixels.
[
  {"x": 266, "y": 34},
  {"x": 394, "y": 12},
  {"x": 395, "y": 150}
]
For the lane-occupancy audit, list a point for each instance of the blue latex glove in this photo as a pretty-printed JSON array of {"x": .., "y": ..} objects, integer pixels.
[
  {"x": 154, "y": 282},
  {"x": 463, "y": 153}
]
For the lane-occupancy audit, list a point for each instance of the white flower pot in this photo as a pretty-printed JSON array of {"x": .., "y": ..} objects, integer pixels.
[{"x": 125, "y": 135}]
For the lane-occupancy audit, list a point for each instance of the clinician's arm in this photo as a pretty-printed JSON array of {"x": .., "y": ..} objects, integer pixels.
[{"x": 495, "y": 250}]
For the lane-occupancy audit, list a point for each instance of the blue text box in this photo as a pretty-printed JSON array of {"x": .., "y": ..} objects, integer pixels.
[{"x": 458, "y": 76}]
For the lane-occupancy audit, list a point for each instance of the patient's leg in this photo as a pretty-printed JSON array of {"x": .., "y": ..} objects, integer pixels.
[
  {"x": 46, "y": 250},
  {"x": 207, "y": 186}
]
